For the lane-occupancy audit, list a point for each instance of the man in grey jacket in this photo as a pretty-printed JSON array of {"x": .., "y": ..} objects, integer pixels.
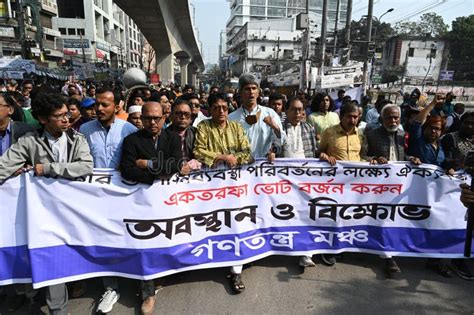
[{"x": 54, "y": 151}]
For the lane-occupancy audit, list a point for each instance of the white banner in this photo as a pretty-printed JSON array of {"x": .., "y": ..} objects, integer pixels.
[{"x": 54, "y": 230}]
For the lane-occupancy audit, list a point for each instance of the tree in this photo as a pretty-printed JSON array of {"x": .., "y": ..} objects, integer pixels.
[
  {"x": 461, "y": 42},
  {"x": 381, "y": 32},
  {"x": 150, "y": 56},
  {"x": 429, "y": 24}
]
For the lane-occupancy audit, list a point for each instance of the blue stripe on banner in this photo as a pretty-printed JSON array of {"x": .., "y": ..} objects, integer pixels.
[
  {"x": 67, "y": 261},
  {"x": 14, "y": 263}
]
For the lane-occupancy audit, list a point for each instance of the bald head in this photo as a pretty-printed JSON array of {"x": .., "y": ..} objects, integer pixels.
[
  {"x": 152, "y": 107},
  {"x": 153, "y": 118}
]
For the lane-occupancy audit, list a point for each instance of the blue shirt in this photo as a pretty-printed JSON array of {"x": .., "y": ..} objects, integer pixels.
[
  {"x": 106, "y": 147},
  {"x": 337, "y": 104},
  {"x": 261, "y": 136},
  {"x": 6, "y": 140},
  {"x": 419, "y": 148}
]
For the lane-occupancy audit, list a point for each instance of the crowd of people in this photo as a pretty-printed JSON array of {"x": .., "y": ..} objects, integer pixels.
[{"x": 152, "y": 133}]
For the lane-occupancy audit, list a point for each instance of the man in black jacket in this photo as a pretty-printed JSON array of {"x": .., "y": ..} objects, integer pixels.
[
  {"x": 151, "y": 152},
  {"x": 148, "y": 154},
  {"x": 381, "y": 145},
  {"x": 181, "y": 114}
]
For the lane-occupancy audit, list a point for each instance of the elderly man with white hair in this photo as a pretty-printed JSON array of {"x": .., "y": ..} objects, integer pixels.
[{"x": 383, "y": 144}]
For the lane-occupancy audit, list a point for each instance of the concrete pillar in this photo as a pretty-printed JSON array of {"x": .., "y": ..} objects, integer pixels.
[
  {"x": 194, "y": 80},
  {"x": 190, "y": 75},
  {"x": 183, "y": 64},
  {"x": 165, "y": 69}
]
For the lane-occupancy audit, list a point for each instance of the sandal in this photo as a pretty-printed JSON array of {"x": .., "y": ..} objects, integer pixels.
[
  {"x": 78, "y": 289},
  {"x": 236, "y": 283}
]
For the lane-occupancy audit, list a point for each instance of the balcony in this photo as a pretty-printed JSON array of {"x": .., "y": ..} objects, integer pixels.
[{"x": 49, "y": 6}]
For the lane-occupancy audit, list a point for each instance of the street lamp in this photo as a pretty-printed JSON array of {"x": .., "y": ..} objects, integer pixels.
[
  {"x": 388, "y": 11},
  {"x": 372, "y": 57}
]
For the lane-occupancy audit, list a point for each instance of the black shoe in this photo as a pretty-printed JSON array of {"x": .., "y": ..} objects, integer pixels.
[
  {"x": 461, "y": 268},
  {"x": 440, "y": 267},
  {"x": 328, "y": 259},
  {"x": 14, "y": 303},
  {"x": 391, "y": 266}
]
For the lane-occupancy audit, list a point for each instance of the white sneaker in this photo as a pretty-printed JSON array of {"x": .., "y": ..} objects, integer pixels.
[
  {"x": 107, "y": 301},
  {"x": 306, "y": 261}
]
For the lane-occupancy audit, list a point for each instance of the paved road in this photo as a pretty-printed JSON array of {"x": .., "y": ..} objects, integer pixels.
[{"x": 276, "y": 285}]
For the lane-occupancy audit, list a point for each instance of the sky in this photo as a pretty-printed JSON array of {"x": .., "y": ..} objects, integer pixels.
[{"x": 212, "y": 16}]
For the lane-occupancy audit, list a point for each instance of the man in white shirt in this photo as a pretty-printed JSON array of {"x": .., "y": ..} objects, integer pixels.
[
  {"x": 264, "y": 129},
  {"x": 262, "y": 124}
]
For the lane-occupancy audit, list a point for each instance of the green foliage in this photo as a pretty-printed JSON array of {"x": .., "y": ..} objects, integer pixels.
[
  {"x": 430, "y": 24},
  {"x": 461, "y": 42}
]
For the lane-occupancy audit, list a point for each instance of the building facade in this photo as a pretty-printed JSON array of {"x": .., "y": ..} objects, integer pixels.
[
  {"x": 417, "y": 59},
  {"x": 27, "y": 25},
  {"x": 98, "y": 31},
  {"x": 243, "y": 11}
]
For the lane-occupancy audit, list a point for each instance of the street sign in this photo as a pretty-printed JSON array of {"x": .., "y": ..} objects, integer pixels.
[
  {"x": 446, "y": 75},
  {"x": 376, "y": 79}
]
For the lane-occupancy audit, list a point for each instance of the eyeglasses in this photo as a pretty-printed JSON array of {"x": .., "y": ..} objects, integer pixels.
[
  {"x": 220, "y": 108},
  {"x": 297, "y": 109},
  {"x": 184, "y": 114},
  {"x": 152, "y": 118},
  {"x": 195, "y": 105},
  {"x": 67, "y": 115}
]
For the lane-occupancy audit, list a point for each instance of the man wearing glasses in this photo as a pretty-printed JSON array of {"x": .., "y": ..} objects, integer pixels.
[
  {"x": 56, "y": 151},
  {"x": 181, "y": 113},
  {"x": 220, "y": 141},
  {"x": 197, "y": 114},
  {"x": 147, "y": 155},
  {"x": 152, "y": 151}
]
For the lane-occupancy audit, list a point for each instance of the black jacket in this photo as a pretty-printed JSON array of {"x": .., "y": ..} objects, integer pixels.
[
  {"x": 19, "y": 129},
  {"x": 167, "y": 157},
  {"x": 189, "y": 138},
  {"x": 378, "y": 143}
]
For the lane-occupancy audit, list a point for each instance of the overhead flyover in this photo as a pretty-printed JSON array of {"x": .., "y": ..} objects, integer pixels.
[{"x": 168, "y": 27}]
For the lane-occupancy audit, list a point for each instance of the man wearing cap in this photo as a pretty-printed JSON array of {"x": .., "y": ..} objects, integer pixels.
[
  {"x": 265, "y": 132},
  {"x": 261, "y": 124},
  {"x": 134, "y": 116},
  {"x": 87, "y": 108}
]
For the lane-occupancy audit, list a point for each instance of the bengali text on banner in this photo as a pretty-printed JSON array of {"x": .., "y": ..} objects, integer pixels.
[{"x": 55, "y": 230}]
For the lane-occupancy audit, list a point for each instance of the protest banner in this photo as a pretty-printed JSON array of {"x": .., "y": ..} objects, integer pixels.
[{"x": 55, "y": 230}]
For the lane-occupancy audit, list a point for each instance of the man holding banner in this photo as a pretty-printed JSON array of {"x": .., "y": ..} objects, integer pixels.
[
  {"x": 300, "y": 144},
  {"x": 105, "y": 137},
  {"x": 341, "y": 143},
  {"x": 55, "y": 151},
  {"x": 147, "y": 154},
  {"x": 383, "y": 144},
  {"x": 220, "y": 141}
]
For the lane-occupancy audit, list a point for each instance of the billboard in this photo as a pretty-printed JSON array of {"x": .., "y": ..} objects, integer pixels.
[{"x": 334, "y": 77}]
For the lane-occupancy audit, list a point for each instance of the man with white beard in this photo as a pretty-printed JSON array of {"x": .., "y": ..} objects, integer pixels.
[{"x": 383, "y": 144}]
